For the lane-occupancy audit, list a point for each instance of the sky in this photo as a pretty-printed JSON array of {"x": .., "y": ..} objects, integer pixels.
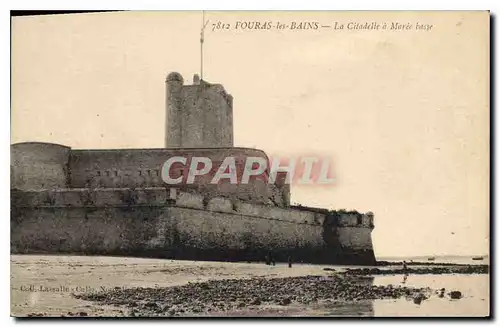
[{"x": 402, "y": 115}]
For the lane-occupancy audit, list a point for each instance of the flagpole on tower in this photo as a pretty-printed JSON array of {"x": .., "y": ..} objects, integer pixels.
[{"x": 202, "y": 39}]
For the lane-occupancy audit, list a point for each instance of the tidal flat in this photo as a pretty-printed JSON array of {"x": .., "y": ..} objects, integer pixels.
[{"x": 87, "y": 286}]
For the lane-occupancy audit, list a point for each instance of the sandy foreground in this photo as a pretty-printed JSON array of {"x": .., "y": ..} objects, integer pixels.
[
  {"x": 43, "y": 284},
  {"x": 71, "y": 286}
]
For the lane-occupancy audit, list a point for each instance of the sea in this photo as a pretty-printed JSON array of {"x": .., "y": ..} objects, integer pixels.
[{"x": 475, "y": 289}]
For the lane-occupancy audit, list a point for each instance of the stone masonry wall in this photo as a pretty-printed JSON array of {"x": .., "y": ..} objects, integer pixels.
[
  {"x": 36, "y": 165},
  {"x": 198, "y": 116},
  {"x": 148, "y": 222}
]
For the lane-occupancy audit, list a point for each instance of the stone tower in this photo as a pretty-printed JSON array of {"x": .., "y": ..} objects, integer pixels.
[{"x": 198, "y": 115}]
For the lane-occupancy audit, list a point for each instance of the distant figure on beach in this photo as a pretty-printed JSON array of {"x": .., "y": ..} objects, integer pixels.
[
  {"x": 405, "y": 272},
  {"x": 289, "y": 261},
  {"x": 270, "y": 259}
]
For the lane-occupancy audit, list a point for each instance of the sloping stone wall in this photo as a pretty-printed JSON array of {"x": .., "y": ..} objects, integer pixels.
[{"x": 149, "y": 222}]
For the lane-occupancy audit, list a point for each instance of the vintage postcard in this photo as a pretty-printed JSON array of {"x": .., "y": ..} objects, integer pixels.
[{"x": 250, "y": 164}]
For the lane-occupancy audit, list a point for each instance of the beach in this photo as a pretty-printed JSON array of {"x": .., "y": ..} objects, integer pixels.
[{"x": 87, "y": 286}]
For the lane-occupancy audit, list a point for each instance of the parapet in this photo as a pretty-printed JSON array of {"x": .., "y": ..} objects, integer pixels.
[{"x": 219, "y": 89}]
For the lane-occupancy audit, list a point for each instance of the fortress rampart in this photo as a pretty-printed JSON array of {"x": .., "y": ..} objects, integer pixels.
[
  {"x": 37, "y": 166},
  {"x": 168, "y": 223}
]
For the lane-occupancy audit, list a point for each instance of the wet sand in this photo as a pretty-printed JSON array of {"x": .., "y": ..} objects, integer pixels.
[{"x": 110, "y": 286}]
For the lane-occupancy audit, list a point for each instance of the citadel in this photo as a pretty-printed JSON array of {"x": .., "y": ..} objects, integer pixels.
[{"x": 115, "y": 201}]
